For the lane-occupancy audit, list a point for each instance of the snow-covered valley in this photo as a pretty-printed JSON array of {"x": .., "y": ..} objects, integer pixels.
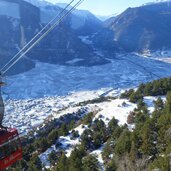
[
  {"x": 47, "y": 89},
  {"x": 125, "y": 71},
  {"x": 28, "y": 114},
  {"x": 50, "y": 91}
]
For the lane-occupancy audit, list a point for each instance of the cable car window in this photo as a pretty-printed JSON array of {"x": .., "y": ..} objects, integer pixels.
[
  {"x": 2, "y": 155},
  {"x": 9, "y": 147},
  {"x": 5, "y": 149}
]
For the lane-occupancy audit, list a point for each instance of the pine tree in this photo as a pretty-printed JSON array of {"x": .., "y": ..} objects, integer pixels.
[
  {"x": 86, "y": 139},
  {"x": 123, "y": 144},
  {"x": 149, "y": 138},
  {"x": 90, "y": 163},
  {"x": 112, "y": 125},
  {"x": 53, "y": 135},
  {"x": 159, "y": 105},
  {"x": 35, "y": 163},
  {"x": 107, "y": 151},
  {"x": 161, "y": 163},
  {"x": 63, "y": 164},
  {"x": 75, "y": 160},
  {"x": 52, "y": 157},
  {"x": 64, "y": 130},
  {"x": 168, "y": 103},
  {"x": 111, "y": 166}
]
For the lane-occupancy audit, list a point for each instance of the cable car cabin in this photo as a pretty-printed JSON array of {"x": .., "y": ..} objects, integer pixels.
[{"x": 10, "y": 148}]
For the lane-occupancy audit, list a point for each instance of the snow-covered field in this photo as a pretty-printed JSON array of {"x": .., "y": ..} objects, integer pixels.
[
  {"x": 160, "y": 55},
  {"x": 29, "y": 113},
  {"x": 49, "y": 80},
  {"x": 118, "y": 108}
]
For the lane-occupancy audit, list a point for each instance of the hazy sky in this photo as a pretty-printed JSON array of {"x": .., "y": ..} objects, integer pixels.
[{"x": 106, "y": 7}]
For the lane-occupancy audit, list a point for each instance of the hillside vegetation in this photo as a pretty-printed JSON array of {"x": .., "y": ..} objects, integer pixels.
[{"x": 145, "y": 147}]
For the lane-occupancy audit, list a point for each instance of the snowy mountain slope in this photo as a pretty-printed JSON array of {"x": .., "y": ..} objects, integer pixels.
[
  {"x": 157, "y": 1},
  {"x": 85, "y": 23},
  {"x": 118, "y": 108},
  {"x": 78, "y": 19},
  {"x": 107, "y": 110}
]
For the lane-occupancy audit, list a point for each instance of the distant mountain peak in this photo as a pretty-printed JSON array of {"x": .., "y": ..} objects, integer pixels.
[{"x": 157, "y": 1}]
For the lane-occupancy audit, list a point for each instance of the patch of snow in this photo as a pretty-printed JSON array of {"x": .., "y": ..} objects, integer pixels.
[
  {"x": 15, "y": 24},
  {"x": 99, "y": 53},
  {"x": 118, "y": 108},
  {"x": 74, "y": 61},
  {"x": 85, "y": 39},
  {"x": 148, "y": 100},
  {"x": 81, "y": 128},
  {"x": 79, "y": 18},
  {"x": 66, "y": 143},
  {"x": 44, "y": 157},
  {"x": 164, "y": 53},
  {"x": 98, "y": 153}
]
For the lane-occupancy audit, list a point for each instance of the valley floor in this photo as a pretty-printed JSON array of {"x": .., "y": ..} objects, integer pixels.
[
  {"x": 125, "y": 71},
  {"x": 45, "y": 90}
]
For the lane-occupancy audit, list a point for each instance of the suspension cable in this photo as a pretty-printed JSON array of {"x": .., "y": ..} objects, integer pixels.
[
  {"x": 33, "y": 39},
  {"x": 47, "y": 32}
]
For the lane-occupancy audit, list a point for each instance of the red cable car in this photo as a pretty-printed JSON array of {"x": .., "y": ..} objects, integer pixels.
[
  {"x": 10, "y": 148},
  {"x": 10, "y": 144}
]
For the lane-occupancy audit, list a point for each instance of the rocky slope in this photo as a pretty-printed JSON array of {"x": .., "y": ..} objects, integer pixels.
[
  {"x": 143, "y": 28},
  {"x": 19, "y": 21}
]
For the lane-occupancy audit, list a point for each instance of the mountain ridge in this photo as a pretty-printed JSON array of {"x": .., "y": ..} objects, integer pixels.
[
  {"x": 59, "y": 47},
  {"x": 143, "y": 28}
]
